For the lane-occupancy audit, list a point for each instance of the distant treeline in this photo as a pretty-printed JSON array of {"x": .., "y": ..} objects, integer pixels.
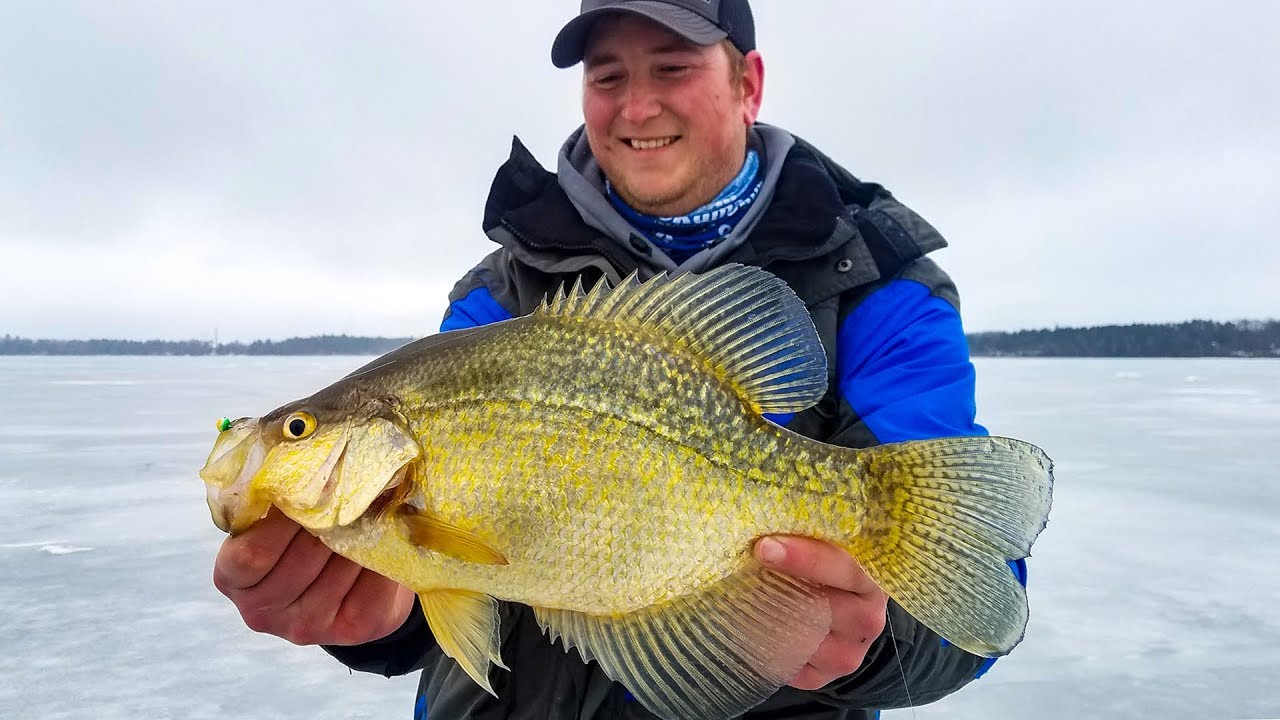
[
  {"x": 1198, "y": 338},
  {"x": 320, "y": 345}
]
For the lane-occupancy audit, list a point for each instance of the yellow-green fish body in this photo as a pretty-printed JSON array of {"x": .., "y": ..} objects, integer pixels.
[
  {"x": 609, "y": 493},
  {"x": 606, "y": 461}
]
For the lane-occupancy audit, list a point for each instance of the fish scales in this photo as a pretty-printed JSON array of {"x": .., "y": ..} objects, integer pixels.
[
  {"x": 607, "y": 462},
  {"x": 598, "y": 464}
]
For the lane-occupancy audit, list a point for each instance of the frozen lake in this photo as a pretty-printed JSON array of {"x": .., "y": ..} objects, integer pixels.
[{"x": 1155, "y": 591}]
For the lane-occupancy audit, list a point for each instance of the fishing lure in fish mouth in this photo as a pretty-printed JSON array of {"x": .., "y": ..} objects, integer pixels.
[{"x": 224, "y": 424}]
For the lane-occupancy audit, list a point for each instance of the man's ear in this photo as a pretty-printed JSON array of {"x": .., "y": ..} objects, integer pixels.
[{"x": 752, "y": 86}]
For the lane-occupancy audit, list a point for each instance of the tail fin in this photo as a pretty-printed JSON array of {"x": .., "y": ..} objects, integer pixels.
[{"x": 943, "y": 518}]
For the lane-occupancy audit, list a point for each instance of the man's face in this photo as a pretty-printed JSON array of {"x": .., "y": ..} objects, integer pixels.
[{"x": 664, "y": 119}]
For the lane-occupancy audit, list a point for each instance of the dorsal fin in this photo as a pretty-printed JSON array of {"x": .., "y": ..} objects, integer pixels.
[{"x": 747, "y": 322}]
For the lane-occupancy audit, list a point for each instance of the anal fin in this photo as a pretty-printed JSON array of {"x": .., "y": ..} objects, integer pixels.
[
  {"x": 465, "y": 624},
  {"x": 713, "y": 654}
]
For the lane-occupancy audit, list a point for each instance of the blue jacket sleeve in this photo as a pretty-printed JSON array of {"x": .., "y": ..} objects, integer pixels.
[
  {"x": 474, "y": 309},
  {"x": 902, "y": 364}
]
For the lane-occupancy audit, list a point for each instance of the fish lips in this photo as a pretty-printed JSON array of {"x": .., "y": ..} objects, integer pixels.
[
  {"x": 228, "y": 476},
  {"x": 330, "y": 479}
]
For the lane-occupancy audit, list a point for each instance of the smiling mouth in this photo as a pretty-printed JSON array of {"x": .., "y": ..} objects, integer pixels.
[{"x": 650, "y": 144}]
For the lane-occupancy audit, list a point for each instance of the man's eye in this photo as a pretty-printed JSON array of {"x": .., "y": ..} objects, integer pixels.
[
  {"x": 673, "y": 69},
  {"x": 605, "y": 81}
]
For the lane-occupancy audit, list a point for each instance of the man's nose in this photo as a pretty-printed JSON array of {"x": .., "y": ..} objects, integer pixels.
[{"x": 640, "y": 103}]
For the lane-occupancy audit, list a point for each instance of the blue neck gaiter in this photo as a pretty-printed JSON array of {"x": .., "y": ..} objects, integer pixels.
[{"x": 683, "y": 236}]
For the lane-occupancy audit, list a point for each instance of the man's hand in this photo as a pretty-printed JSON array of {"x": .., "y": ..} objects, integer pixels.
[
  {"x": 286, "y": 583},
  {"x": 857, "y": 603}
]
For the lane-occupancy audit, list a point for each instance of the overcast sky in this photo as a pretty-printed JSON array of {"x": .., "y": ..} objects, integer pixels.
[{"x": 168, "y": 168}]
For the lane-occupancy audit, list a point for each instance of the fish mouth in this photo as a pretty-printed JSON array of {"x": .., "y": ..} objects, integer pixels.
[
  {"x": 327, "y": 480},
  {"x": 228, "y": 473}
]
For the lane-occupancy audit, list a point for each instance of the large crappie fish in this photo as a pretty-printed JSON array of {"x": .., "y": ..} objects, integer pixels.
[{"x": 605, "y": 461}]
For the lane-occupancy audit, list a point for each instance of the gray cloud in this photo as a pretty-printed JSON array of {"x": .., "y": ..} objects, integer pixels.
[{"x": 167, "y": 169}]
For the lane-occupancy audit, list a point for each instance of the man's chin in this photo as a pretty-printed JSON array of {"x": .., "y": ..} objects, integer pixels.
[{"x": 658, "y": 199}]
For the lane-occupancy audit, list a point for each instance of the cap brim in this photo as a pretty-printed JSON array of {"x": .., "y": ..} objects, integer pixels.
[{"x": 571, "y": 44}]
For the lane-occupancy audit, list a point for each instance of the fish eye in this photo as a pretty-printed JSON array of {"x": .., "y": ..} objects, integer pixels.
[{"x": 299, "y": 425}]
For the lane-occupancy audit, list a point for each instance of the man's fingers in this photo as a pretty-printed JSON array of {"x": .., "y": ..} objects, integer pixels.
[
  {"x": 298, "y": 567},
  {"x": 373, "y": 608},
  {"x": 857, "y": 604},
  {"x": 325, "y": 595},
  {"x": 244, "y": 560},
  {"x": 267, "y": 607},
  {"x": 810, "y": 678},
  {"x": 287, "y": 583},
  {"x": 856, "y": 622},
  {"x": 312, "y": 614},
  {"x": 835, "y": 658},
  {"x": 857, "y": 619},
  {"x": 813, "y": 560}
]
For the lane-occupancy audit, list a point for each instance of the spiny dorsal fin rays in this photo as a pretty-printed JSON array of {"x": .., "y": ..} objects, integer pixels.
[
  {"x": 745, "y": 340},
  {"x": 644, "y": 306},
  {"x": 713, "y": 325},
  {"x": 572, "y": 303},
  {"x": 600, "y": 290},
  {"x": 745, "y": 321},
  {"x": 626, "y": 296},
  {"x": 562, "y": 303},
  {"x": 689, "y": 295}
]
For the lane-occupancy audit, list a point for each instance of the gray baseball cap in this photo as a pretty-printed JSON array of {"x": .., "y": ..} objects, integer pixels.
[{"x": 703, "y": 22}]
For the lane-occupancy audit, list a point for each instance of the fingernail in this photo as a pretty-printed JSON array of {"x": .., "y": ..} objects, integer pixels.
[{"x": 771, "y": 551}]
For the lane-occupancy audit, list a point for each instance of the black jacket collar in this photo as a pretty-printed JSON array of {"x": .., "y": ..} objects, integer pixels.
[{"x": 801, "y": 221}]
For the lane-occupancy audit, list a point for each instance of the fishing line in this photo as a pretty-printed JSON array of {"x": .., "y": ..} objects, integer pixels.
[{"x": 888, "y": 616}]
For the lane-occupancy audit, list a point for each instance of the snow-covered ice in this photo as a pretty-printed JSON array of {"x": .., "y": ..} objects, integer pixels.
[{"x": 1155, "y": 590}]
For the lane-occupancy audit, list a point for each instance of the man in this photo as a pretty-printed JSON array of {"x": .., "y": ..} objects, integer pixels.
[{"x": 671, "y": 171}]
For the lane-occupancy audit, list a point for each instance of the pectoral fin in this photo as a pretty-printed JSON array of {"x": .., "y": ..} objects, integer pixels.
[
  {"x": 434, "y": 534},
  {"x": 465, "y": 624},
  {"x": 714, "y": 654}
]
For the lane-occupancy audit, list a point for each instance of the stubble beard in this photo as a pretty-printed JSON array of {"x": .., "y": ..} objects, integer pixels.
[{"x": 675, "y": 200}]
